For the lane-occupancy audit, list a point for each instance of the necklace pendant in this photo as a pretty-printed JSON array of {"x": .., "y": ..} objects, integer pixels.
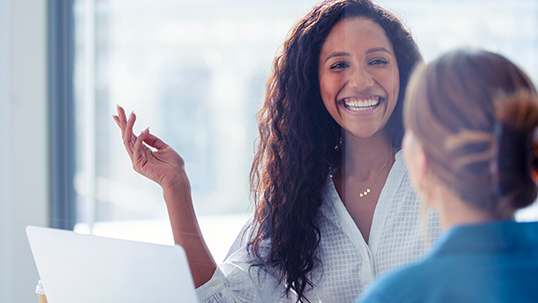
[
  {"x": 364, "y": 193},
  {"x": 367, "y": 191}
]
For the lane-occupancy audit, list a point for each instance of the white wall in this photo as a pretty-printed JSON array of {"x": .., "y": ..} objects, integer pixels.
[{"x": 23, "y": 149}]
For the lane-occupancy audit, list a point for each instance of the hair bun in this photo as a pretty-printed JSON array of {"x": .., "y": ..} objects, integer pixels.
[
  {"x": 534, "y": 161},
  {"x": 517, "y": 157},
  {"x": 519, "y": 110}
]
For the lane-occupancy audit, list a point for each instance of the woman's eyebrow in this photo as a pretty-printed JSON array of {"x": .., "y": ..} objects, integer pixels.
[
  {"x": 379, "y": 49},
  {"x": 337, "y": 54},
  {"x": 371, "y": 50}
]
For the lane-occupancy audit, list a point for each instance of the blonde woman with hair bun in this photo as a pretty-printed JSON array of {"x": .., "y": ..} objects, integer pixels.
[{"x": 471, "y": 119}]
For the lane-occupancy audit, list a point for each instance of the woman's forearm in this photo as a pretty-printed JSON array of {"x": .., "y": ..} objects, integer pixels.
[{"x": 186, "y": 230}]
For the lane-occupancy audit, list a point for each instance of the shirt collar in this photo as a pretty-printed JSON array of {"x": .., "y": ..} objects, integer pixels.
[{"x": 498, "y": 236}]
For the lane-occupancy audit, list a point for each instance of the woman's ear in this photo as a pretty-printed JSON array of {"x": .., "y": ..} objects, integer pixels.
[
  {"x": 417, "y": 165},
  {"x": 422, "y": 167},
  {"x": 427, "y": 186}
]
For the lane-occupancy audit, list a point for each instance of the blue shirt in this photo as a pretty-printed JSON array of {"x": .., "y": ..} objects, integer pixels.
[{"x": 491, "y": 262}]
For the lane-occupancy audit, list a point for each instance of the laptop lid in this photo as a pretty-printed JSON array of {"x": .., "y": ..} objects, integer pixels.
[{"x": 86, "y": 268}]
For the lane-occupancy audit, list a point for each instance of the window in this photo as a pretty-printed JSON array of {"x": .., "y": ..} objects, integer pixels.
[{"x": 194, "y": 71}]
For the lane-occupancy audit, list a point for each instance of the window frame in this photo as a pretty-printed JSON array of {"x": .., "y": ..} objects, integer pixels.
[{"x": 61, "y": 114}]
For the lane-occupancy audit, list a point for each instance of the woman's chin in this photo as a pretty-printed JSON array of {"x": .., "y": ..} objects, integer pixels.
[{"x": 365, "y": 132}]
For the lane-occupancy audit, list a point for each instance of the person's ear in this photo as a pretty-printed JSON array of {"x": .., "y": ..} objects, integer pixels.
[
  {"x": 417, "y": 163},
  {"x": 422, "y": 168},
  {"x": 425, "y": 179}
]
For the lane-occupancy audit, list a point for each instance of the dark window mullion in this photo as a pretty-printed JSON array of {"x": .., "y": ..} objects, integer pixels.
[{"x": 61, "y": 114}]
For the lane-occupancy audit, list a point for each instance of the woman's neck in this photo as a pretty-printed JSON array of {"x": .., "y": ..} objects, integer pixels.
[
  {"x": 363, "y": 157},
  {"x": 453, "y": 211}
]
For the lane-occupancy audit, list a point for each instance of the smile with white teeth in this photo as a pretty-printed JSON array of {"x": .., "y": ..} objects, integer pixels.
[{"x": 361, "y": 104}]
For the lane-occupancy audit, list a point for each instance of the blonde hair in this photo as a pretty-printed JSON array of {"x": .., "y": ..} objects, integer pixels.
[{"x": 475, "y": 114}]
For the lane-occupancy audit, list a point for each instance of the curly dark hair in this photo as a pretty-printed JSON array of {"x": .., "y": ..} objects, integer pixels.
[{"x": 297, "y": 139}]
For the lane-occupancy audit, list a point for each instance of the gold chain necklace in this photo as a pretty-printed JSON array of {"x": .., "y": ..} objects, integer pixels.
[{"x": 363, "y": 193}]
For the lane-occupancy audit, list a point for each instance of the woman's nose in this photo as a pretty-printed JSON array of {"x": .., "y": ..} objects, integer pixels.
[{"x": 360, "y": 78}]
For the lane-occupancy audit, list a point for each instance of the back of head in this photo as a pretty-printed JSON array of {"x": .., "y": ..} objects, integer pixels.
[{"x": 475, "y": 113}]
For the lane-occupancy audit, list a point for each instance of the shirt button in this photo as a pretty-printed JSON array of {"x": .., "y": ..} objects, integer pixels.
[{"x": 216, "y": 283}]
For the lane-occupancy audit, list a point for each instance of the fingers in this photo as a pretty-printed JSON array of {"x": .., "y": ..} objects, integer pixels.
[
  {"x": 140, "y": 150},
  {"x": 126, "y": 126},
  {"x": 116, "y": 119},
  {"x": 128, "y": 137},
  {"x": 121, "y": 113},
  {"x": 154, "y": 141},
  {"x": 121, "y": 120},
  {"x": 133, "y": 144}
]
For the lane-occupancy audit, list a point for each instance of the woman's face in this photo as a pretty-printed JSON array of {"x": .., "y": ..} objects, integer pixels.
[{"x": 358, "y": 76}]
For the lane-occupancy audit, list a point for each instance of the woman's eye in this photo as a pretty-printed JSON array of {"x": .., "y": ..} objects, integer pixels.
[
  {"x": 378, "y": 61},
  {"x": 339, "y": 65}
]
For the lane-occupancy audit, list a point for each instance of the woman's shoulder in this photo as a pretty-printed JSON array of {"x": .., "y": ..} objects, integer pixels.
[
  {"x": 399, "y": 169},
  {"x": 398, "y": 184},
  {"x": 410, "y": 282}
]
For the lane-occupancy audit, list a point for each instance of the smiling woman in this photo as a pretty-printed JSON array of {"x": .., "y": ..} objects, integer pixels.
[
  {"x": 359, "y": 85},
  {"x": 330, "y": 123},
  {"x": 358, "y": 75},
  {"x": 194, "y": 72}
]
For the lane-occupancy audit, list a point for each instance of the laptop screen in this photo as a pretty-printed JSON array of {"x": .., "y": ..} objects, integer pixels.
[{"x": 86, "y": 268}]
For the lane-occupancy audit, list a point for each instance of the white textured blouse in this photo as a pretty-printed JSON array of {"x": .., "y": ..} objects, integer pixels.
[{"x": 347, "y": 263}]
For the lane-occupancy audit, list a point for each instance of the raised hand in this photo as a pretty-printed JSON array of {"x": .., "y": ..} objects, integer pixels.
[
  {"x": 150, "y": 156},
  {"x": 156, "y": 160}
]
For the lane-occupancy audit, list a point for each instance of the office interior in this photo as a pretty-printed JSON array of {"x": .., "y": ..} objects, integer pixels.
[{"x": 28, "y": 172}]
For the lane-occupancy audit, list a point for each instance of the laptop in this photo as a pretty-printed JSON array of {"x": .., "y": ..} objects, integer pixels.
[{"x": 86, "y": 268}]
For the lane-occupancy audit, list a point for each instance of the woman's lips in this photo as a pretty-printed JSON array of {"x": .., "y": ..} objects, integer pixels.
[{"x": 361, "y": 104}]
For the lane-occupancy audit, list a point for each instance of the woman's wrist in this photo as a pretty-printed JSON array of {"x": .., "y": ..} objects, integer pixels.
[{"x": 176, "y": 184}]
